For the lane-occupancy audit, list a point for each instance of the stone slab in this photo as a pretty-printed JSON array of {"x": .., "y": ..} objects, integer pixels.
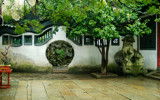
[{"x": 108, "y": 75}]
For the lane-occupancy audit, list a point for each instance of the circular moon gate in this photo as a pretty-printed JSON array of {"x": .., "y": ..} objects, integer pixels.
[{"x": 60, "y": 53}]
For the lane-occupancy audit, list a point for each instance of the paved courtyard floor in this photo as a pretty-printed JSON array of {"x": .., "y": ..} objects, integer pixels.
[{"x": 79, "y": 87}]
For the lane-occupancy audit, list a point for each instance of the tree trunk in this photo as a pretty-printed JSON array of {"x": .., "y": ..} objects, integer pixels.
[
  {"x": 138, "y": 41},
  {"x": 105, "y": 54},
  {"x": 103, "y": 65}
]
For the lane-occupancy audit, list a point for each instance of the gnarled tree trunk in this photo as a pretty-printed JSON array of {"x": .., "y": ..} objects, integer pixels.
[{"x": 105, "y": 53}]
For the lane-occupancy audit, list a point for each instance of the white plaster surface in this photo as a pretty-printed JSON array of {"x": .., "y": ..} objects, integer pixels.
[
  {"x": 85, "y": 55},
  {"x": 150, "y": 59}
]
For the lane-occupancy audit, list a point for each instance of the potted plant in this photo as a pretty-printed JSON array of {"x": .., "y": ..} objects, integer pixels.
[
  {"x": 4, "y": 67},
  {"x": 4, "y": 64}
]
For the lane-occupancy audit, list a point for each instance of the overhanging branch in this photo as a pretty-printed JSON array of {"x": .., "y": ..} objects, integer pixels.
[
  {"x": 147, "y": 15},
  {"x": 132, "y": 8},
  {"x": 39, "y": 2}
]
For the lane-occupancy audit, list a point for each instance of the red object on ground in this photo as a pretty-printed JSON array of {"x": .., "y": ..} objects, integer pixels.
[{"x": 5, "y": 69}]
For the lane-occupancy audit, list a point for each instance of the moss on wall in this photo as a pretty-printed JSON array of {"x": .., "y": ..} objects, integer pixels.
[
  {"x": 83, "y": 69},
  {"x": 30, "y": 68},
  {"x": 112, "y": 67}
]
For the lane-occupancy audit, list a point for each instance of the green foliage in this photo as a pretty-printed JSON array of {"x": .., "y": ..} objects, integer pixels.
[
  {"x": 94, "y": 17},
  {"x": 99, "y": 19},
  {"x": 7, "y": 18},
  {"x": 104, "y": 20},
  {"x": 25, "y": 10},
  {"x": 19, "y": 12},
  {"x": 157, "y": 20},
  {"x": 21, "y": 29},
  {"x": 139, "y": 28},
  {"x": 61, "y": 53},
  {"x": 36, "y": 25}
]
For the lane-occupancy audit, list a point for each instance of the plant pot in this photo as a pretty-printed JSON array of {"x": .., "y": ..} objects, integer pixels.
[{"x": 5, "y": 67}]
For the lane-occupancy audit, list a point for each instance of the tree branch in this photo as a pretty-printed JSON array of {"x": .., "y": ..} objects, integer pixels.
[
  {"x": 132, "y": 8},
  {"x": 147, "y": 15},
  {"x": 39, "y": 2},
  {"x": 28, "y": 3},
  {"x": 99, "y": 49}
]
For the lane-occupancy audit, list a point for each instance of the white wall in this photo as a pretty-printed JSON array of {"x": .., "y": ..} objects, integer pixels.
[
  {"x": 85, "y": 55},
  {"x": 150, "y": 57}
]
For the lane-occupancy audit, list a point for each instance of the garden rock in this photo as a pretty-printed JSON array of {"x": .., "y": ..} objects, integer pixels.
[{"x": 130, "y": 60}]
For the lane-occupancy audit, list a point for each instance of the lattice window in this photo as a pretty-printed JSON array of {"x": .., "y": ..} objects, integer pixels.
[
  {"x": 5, "y": 39},
  {"x": 16, "y": 40},
  {"x": 115, "y": 42},
  {"x": 43, "y": 38},
  {"x": 98, "y": 42},
  {"x": 77, "y": 40},
  {"x": 88, "y": 40},
  {"x": 27, "y": 39}
]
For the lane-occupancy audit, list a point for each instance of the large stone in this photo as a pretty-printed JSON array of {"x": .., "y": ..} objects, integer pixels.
[{"x": 130, "y": 60}]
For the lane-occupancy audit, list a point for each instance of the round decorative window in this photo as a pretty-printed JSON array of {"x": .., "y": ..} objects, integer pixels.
[{"x": 60, "y": 53}]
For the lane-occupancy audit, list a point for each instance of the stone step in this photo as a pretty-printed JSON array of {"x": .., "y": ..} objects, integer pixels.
[
  {"x": 154, "y": 74},
  {"x": 155, "y": 77},
  {"x": 60, "y": 70}
]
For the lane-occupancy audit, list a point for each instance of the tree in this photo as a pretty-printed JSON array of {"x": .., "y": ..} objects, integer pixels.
[
  {"x": 14, "y": 12},
  {"x": 104, "y": 19}
]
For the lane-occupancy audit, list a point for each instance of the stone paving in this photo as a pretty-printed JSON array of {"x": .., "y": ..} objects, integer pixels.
[{"x": 79, "y": 87}]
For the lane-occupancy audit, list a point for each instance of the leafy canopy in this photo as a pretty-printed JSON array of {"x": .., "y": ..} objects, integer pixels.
[
  {"x": 100, "y": 18},
  {"x": 97, "y": 18}
]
